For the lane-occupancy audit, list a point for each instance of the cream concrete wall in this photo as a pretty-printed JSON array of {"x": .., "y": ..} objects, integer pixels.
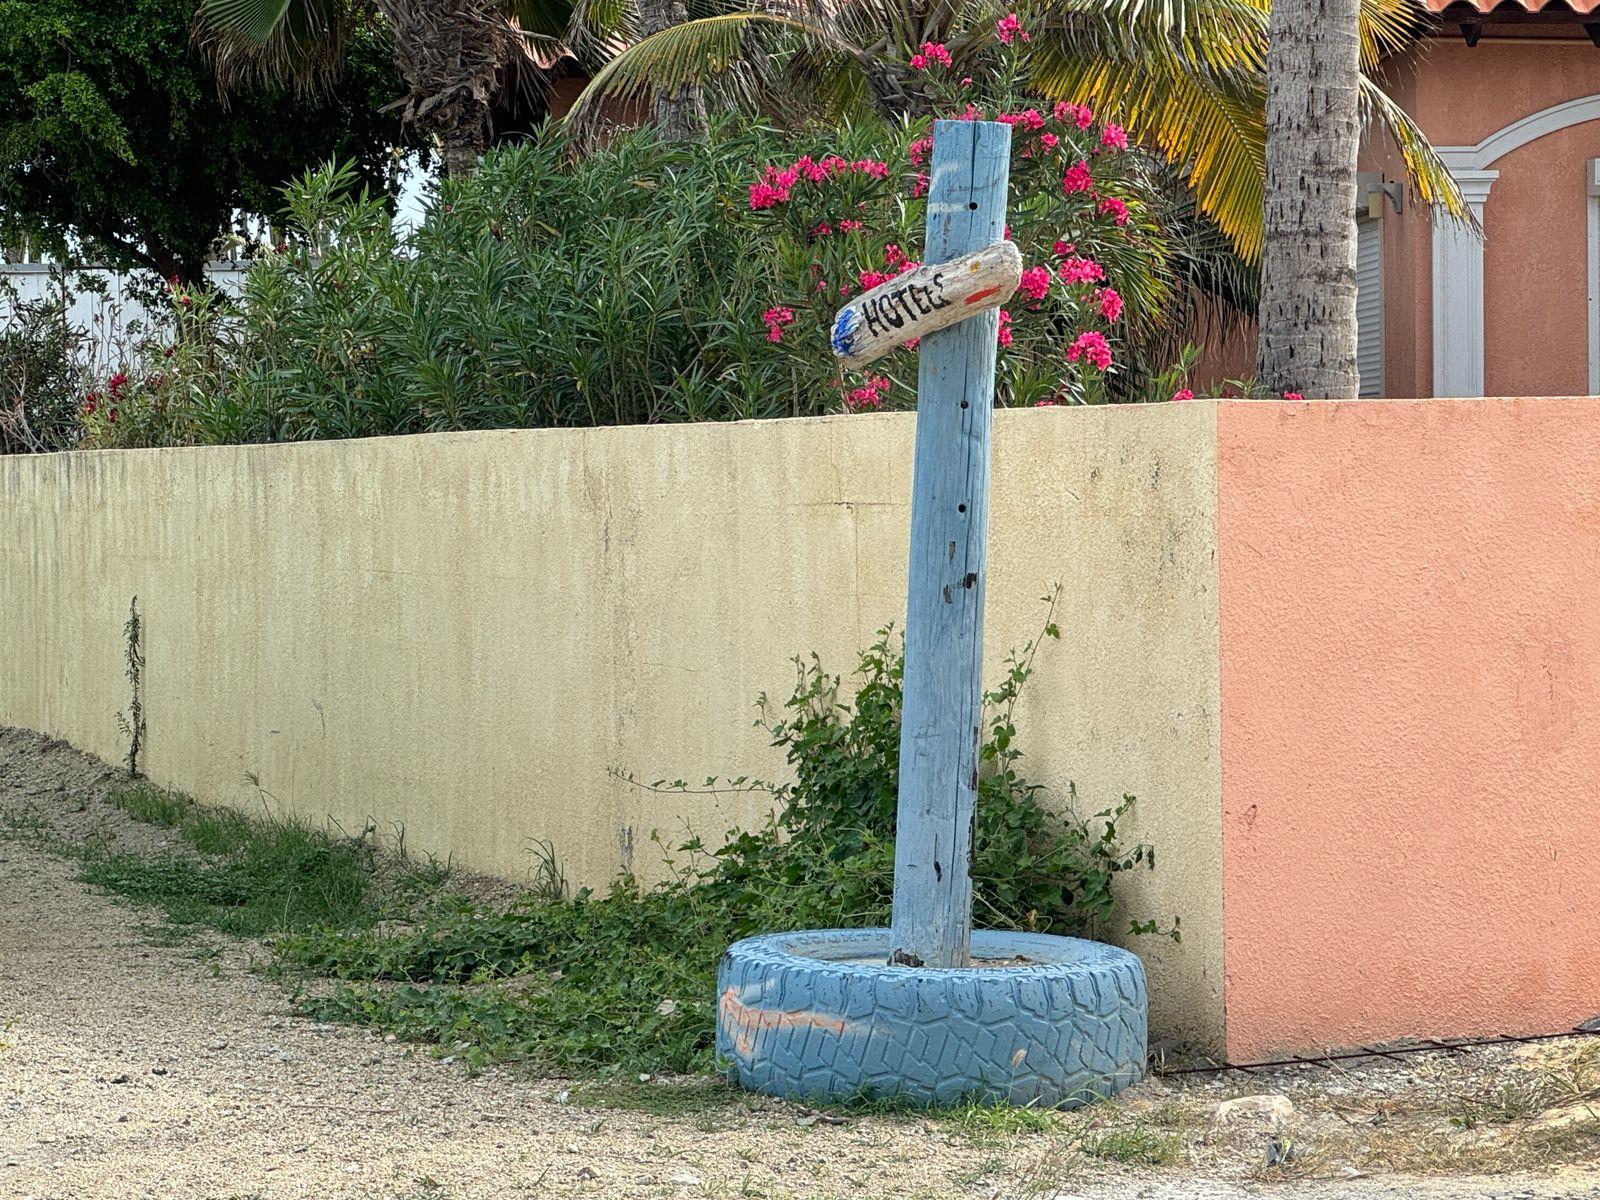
[{"x": 460, "y": 634}]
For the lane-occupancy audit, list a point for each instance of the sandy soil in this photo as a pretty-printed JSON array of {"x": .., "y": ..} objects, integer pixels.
[{"x": 135, "y": 1066}]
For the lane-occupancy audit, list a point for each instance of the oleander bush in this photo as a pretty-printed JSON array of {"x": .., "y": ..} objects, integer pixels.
[
  {"x": 41, "y": 379},
  {"x": 645, "y": 281}
]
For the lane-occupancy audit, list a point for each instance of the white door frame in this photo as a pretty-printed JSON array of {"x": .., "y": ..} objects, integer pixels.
[{"x": 1458, "y": 251}]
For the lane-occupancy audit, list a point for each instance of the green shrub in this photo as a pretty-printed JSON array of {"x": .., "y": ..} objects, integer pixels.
[
  {"x": 646, "y": 281},
  {"x": 627, "y": 979},
  {"x": 41, "y": 380}
]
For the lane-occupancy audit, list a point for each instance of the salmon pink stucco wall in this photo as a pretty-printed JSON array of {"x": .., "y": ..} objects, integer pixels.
[{"x": 1410, "y": 683}]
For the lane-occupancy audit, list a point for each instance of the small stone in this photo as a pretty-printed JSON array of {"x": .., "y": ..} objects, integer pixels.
[
  {"x": 587, "y": 1173},
  {"x": 389, "y": 1037},
  {"x": 119, "y": 1079},
  {"x": 1274, "y": 1107},
  {"x": 686, "y": 1179},
  {"x": 563, "y": 1095},
  {"x": 216, "y": 1045},
  {"x": 158, "y": 1070}
]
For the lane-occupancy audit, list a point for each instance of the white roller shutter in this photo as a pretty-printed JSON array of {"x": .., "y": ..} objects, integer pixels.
[{"x": 1369, "y": 306}]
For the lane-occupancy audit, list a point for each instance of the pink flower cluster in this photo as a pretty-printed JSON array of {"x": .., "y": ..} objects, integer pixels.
[
  {"x": 1092, "y": 346},
  {"x": 1110, "y": 303},
  {"x": 776, "y": 185},
  {"x": 1080, "y": 270},
  {"x": 1114, "y": 136},
  {"x": 1004, "y": 336},
  {"x": 1035, "y": 283},
  {"x": 869, "y": 395},
  {"x": 775, "y": 319},
  {"x": 1077, "y": 178},
  {"x": 1183, "y": 394},
  {"x": 1080, "y": 115},
  {"x": 1009, "y": 29},
  {"x": 1114, "y": 208},
  {"x": 932, "y": 53},
  {"x": 1028, "y": 118}
]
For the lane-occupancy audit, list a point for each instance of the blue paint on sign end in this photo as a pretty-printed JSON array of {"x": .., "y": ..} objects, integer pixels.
[{"x": 844, "y": 330}]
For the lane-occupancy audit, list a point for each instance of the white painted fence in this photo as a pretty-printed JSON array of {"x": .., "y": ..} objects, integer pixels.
[{"x": 101, "y": 303}]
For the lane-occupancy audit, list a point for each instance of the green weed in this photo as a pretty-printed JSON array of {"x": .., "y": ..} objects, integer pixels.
[
  {"x": 626, "y": 981},
  {"x": 152, "y": 805},
  {"x": 249, "y": 877},
  {"x": 1139, "y": 1144}
]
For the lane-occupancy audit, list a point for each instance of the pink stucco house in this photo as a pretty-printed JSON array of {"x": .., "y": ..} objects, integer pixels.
[{"x": 1508, "y": 91}]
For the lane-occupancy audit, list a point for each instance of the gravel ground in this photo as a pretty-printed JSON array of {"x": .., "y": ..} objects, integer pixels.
[{"x": 133, "y": 1065}]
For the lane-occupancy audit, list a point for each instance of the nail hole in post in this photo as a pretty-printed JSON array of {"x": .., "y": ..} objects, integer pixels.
[
  {"x": 973, "y": 205},
  {"x": 963, "y": 404},
  {"x": 961, "y": 508}
]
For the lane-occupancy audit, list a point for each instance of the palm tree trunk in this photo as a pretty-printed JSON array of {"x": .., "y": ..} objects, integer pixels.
[
  {"x": 449, "y": 52},
  {"x": 680, "y": 112},
  {"x": 1307, "y": 338}
]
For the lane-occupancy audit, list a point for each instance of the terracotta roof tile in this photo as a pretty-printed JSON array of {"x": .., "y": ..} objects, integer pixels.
[{"x": 1582, "y": 7}]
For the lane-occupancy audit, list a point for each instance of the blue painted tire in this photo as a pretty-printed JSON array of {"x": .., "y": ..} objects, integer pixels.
[{"x": 815, "y": 1016}]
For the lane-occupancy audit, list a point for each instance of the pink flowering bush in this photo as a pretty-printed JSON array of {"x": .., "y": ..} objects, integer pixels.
[{"x": 839, "y": 220}]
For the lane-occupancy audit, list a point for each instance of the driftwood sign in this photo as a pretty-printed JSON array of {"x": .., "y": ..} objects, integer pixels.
[{"x": 932, "y": 297}]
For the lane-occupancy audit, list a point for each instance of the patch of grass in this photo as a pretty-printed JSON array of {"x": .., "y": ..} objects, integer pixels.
[
  {"x": 152, "y": 805},
  {"x": 249, "y": 877},
  {"x": 218, "y": 830},
  {"x": 1139, "y": 1145},
  {"x": 1521, "y": 1094},
  {"x": 23, "y": 824},
  {"x": 978, "y": 1119}
]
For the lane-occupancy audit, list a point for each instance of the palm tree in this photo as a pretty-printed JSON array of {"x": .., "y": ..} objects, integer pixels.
[
  {"x": 454, "y": 56},
  {"x": 679, "y": 111},
  {"x": 1187, "y": 77},
  {"x": 1306, "y": 339}
]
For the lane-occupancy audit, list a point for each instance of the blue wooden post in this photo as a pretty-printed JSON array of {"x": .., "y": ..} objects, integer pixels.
[{"x": 943, "y": 707}]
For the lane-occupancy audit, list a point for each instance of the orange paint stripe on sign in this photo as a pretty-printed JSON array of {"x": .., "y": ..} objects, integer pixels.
[{"x": 977, "y": 296}]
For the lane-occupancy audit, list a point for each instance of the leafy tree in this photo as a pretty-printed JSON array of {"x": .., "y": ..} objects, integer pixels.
[
  {"x": 113, "y": 136},
  {"x": 1185, "y": 76}
]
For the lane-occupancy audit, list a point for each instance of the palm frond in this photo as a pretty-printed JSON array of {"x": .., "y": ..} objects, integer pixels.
[
  {"x": 736, "y": 49},
  {"x": 1185, "y": 76},
  {"x": 274, "y": 42},
  {"x": 1387, "y": 27},
  {"x": 1188, "y": 76},
  {"x": 1431, "y": 180}
]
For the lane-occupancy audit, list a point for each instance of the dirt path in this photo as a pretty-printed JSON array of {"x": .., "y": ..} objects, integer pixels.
[{"x": 130, "y": 1068}]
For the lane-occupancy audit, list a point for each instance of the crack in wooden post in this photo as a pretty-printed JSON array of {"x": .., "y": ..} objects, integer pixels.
[{"x": 941, "y": 716}]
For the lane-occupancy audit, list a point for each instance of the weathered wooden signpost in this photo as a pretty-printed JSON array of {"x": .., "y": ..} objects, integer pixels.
[
  {"x": 827, "y": 1014},
  {"x": 942, "y": 714}
]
